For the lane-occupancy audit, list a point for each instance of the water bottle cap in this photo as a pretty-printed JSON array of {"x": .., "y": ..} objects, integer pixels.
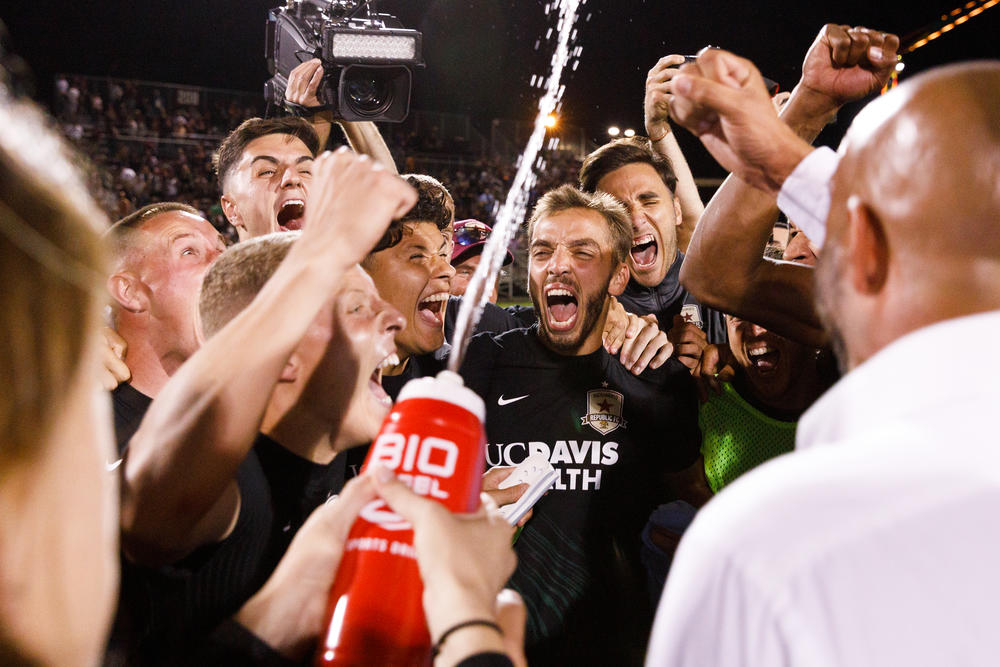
[{"x": 447, "y": 386}]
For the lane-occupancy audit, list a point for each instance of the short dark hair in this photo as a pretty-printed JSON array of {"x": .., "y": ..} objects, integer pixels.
[
  {"x": 566, "y": 197},
  {"x": 234, "y": 279},
  {"x": 620, "y": 152},
  {"x": 121, "y": 233},
  {"x": 232, "y": 147},
  {"x": 434, "y": 204}
]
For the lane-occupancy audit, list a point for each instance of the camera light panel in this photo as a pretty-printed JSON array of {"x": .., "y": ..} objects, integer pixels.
[{"x": 363, "y": 45}]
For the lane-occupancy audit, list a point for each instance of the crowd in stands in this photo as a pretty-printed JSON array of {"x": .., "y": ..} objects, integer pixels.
[{"x": 146, "y": 145}]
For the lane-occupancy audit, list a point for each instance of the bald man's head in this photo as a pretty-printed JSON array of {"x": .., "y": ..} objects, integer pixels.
[{"x": 914, "y": 227}]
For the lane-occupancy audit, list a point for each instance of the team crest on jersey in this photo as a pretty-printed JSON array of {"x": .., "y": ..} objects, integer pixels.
[{"x": 604, "y": 410}]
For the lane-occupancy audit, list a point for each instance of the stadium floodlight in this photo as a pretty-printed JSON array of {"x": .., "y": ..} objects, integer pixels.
[
  {"x": 629, "y": 132},
  {"x": 614, "y": 131},
  {"x": 551, "y": 120}
]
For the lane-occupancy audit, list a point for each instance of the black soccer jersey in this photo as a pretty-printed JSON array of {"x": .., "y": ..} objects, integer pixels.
[
  {"x": 612, "y": 437},
  {"x": 165, "y": 612},
  {"x": 130, "y": 406}
]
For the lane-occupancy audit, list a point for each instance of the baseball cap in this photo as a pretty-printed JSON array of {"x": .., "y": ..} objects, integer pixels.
[{"x": 469, "y": 238}]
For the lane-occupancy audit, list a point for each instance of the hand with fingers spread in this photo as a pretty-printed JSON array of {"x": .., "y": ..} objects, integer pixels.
[
  {"x": 689, "y": 342},
  {"x": 656, "y": 105},
  {"x": 352, "y": 201},
  {"x": 645, "y": 345},
  {"x": 846, "y": 64},
  {"x": 114, "y": 371},
  {"x": 722, "y": 99},
  {"x": 303, "y": 84},
  {"x": 464, "y": 561}
]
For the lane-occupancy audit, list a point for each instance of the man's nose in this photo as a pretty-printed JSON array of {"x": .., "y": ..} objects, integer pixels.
[
  {"x": 291, "y": 178},
  {"x": 559, "y": 262}
]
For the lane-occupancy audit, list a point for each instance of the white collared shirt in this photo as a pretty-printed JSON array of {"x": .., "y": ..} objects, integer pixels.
[
  {"x": 877, "y": 542},
  {"x": 805, "y": 194}
]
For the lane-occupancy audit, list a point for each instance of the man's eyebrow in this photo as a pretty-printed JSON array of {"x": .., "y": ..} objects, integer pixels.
[
  {"x": 580, "y": 243},
  {"x": 174, "y": 238},
  {"x": 541, "y": 242},
  {"x": 304, "y": 158},
  {"x": 649, "y": 194},
  {"x": 264, "y": 157}
]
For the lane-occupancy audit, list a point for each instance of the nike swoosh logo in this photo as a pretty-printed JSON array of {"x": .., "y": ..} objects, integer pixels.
[
  {"x": 111, "y": 467},
  {"x": 508, "y": 401}
]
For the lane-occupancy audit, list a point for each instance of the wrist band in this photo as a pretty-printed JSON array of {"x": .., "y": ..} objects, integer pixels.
[
  {"x": 458, "y": 626},
  {"x": 302, "y": 111},
  {"x": 661, "y": 137}
]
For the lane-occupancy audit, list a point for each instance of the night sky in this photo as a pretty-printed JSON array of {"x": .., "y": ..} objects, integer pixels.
[{"x": 480, "y": 54}]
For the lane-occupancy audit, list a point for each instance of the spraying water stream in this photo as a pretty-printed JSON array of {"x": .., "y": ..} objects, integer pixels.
[{"x": 513, "y": 209}]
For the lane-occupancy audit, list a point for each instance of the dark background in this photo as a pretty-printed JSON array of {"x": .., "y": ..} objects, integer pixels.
[{"x": 480, "y": 54}]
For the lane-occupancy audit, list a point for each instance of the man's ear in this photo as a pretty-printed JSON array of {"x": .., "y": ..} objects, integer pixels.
[
  {"x": 129, "y": 291},
  {"x": 232, "y": 214},
  {"x": 678, "y": 217},
  {"x": 619, "y": 280},
  {"x": 867, "y": 248},
  {"x": 292, "y": 368}
]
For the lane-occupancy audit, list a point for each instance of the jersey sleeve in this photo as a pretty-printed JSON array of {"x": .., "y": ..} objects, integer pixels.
[
  {"x": 495, "y": 320},
  {"x": 680, "y": 417}
]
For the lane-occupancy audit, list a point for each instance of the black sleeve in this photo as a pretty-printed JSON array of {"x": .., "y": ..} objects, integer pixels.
[
  {"x": 676, "y": 418},
  {"x": 232, "y": 644},
  {"x": 685, "y": 417},
  {"x": 494, "y": 319},
  {"x": 486, "y": 660},
  {"x": 524, "y": 315}
]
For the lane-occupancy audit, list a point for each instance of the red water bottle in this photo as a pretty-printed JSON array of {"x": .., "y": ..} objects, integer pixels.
[{"x": 434, "y": 441}]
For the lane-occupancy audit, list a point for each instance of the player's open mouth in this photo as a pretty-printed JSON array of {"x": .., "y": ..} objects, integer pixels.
[
  {"x": 291, "y": 215},
  {"x": 644, "y": 251},
  {"x": 431, "y": 310},
  {"x": 562, "y": 307},
  {"x": 375, "y": 381},
  {"x": 763, "y": 358}
]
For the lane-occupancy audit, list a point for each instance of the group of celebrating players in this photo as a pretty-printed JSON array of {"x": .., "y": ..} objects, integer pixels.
[{"x": 666, "y": 353}]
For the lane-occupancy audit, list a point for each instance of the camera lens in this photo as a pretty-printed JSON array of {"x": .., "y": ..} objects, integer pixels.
[{"x": 368, "y": 91}]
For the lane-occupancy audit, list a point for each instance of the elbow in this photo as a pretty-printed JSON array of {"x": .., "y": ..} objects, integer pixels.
[{"x": 703, "y": 283}]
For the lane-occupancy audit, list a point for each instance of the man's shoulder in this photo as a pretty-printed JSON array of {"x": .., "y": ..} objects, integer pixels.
[
  {"x": 809, "y": 504},
  {"x": 522, "y": 341}
]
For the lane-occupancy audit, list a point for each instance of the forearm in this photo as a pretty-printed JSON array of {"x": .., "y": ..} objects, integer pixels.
[
  {"x": 204, "y": 422},
  {"x": 446, "y": 609},
  {"x": 686, "y": 189},
  {"x": 322, "y": 123},
  {"x": 365, "y": 138},
  {"x": 725, "y": 267}
]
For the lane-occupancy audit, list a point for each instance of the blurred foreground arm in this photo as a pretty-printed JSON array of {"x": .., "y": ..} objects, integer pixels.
[{"x": 464, "y": 560}]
